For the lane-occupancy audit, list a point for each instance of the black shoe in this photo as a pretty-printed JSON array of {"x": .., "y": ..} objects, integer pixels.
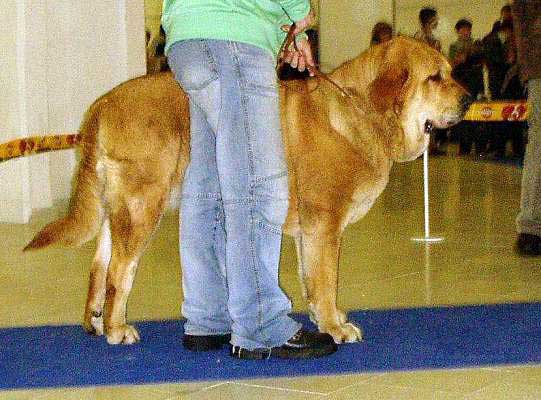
[
  {"x": 303, "y": 344},
  {"x": 528, "y": 245},
  {"x": 205, "y": 342}
]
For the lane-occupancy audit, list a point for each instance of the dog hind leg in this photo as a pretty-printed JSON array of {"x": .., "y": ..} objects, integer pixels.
[
  {"x": 93, "y": 318},
  {"x": 133, "y": 220}
]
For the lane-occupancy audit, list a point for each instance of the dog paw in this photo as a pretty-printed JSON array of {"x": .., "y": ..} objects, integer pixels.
[
  {"x": 125, "y": 334},
  {"x": 93, "y": 323},
  {"x": 342, "y": 317},
  {"x": 344, "y": 333}
]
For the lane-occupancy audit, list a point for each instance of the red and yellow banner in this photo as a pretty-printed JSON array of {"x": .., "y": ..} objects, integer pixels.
[{"x": 494, "y": 111}]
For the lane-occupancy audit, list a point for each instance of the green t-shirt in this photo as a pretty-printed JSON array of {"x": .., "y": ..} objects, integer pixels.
[{"x": 256, "y": 22}]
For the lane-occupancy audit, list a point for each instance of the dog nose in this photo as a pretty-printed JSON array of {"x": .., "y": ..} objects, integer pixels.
[{"x": 465, "y": 102}]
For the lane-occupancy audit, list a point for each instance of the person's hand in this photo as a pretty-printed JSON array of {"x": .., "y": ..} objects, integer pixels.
[
  {"x": 302, "y": 25},
  {"x": 301, "y": 58}
]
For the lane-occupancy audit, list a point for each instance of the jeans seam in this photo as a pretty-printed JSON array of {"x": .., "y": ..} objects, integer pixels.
[
  {"x": 211, "y": 61},
  {"x": 212, "y": 64},
  {"x": 217, "y": 224},
  {"x": 268, "y": 227},
  {"x": 264, "y": 179},
  {"x": 253, "y": 255},
  {"x": 202, "y": 196},
  {"x": 246, "y": 201}
]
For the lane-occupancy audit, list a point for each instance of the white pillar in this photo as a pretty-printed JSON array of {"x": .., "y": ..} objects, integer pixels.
[
  {"x": 345, "y": 28},
  {"x": 23, "y": 104},
  {"x": 59, "y": 56}
]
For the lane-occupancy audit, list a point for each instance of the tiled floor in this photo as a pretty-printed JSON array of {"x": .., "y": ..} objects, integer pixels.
[{"x": 473, "y": 206}]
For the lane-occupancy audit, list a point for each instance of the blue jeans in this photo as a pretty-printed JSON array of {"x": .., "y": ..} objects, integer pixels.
[
  {"x": 234, "y": 196},
  {"x": 529, "y": 217}
]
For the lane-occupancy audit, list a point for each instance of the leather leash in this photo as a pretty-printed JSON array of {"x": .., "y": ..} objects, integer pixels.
[{"x": 312, "y": 69}]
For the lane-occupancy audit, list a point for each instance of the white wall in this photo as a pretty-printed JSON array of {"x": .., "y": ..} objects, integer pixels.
[
  {"x": 59, "y": 56},
  {"x": 482, "y": 13},
  {"x": 345, "y": 28},
  {"x": 153, "y": 11}
]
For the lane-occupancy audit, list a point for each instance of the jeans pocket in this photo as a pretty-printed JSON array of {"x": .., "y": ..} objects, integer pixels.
[
  {"x": 193, "y": 64},
  {"x": 258, "y": 71}
]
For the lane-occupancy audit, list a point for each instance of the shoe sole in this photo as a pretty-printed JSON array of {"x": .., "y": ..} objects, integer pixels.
[
  {"x": 198, "y": 344},
  {"x": 285, "y": 354}
]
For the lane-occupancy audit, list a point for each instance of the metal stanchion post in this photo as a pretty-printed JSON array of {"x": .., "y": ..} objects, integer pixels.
[{"x": 427, "y": 238}]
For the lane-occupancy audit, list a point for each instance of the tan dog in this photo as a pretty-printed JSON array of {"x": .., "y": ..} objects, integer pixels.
[{"x": 340, "y": 149}]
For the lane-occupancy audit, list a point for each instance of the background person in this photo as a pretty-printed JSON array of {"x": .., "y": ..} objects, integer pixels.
[
  {"x": 428, "y": 19},
  {"x": 495, "y": 47},
  {"x": 527, "y": 17},
  {"x": 381, "y": 32},
  {"x": 470, "y": 75},
  {"x": 462, "y": 47},
  {"x": 156, "y": 60}
]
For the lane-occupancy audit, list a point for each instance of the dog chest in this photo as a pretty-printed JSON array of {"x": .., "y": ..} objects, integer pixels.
[{"x": 363, "y": 200}]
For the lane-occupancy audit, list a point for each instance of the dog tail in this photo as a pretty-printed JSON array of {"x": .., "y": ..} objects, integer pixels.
[{"x": 85, "y": 212}]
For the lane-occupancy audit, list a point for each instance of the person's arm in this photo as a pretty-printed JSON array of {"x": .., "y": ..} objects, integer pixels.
[{"x": 295, "y": 9}]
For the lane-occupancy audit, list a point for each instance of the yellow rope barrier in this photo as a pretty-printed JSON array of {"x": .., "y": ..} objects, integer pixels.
[{"x": 36, "y": 144}]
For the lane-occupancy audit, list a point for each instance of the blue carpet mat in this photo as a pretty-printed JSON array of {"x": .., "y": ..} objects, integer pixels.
[{"x": 421, "y": 338}]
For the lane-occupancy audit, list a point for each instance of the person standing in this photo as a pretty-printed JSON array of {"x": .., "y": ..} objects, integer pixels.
[
  {"x": 428, "y": 18},
  {"x": 235, "y": 191},
  {"x": 527, "y": 26},
  {"x": 381, "y": 32},
  {"x": 462, "y": 47}
]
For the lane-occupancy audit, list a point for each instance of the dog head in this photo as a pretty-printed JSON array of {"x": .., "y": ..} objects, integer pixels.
[{"x": 413, "y": 81}]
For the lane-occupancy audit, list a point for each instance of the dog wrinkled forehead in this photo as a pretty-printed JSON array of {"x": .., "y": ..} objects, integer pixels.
[
  {"x": 417, "y": 57},
  {"x": 404, "y": 65}
]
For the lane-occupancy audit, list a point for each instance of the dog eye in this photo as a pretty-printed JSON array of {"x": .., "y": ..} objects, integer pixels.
[{"x": 436, "y": 77}]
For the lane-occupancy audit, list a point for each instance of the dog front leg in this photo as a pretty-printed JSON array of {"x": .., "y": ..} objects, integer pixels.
[{"x": 318, "y": 264}]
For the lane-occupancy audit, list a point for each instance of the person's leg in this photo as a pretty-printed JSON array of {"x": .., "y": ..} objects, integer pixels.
[
  {"x": 499, "y": 131},
  {"x": 464, "y": 137},
  {"x": 482, "y": 137},
  {"x": 237, "y": 94},
  {"x": 517, "y": 139},
  {"x": 201, "y": 214},
  {"x": 253, "y": 178},
  {"x": 529, "y": 217}
]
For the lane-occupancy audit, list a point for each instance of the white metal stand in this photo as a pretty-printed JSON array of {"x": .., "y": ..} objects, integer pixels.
[{"x": 427, "y": 238}]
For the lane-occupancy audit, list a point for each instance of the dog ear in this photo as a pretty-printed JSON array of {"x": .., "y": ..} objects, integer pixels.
[{"x": 386, "y": 92}]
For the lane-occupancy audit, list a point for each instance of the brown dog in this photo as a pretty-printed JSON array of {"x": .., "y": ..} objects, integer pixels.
[{"x": 340, "y": 149}]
